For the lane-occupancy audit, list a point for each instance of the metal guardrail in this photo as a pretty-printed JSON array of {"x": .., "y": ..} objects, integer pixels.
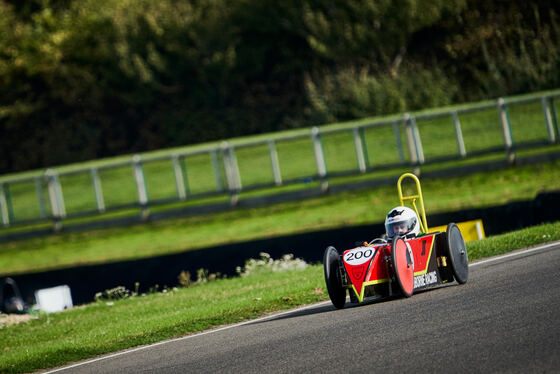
[{"x": 222, "y": 166}]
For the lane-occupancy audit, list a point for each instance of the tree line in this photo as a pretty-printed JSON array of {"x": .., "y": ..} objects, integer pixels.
[{"x": 83, "y": 79}]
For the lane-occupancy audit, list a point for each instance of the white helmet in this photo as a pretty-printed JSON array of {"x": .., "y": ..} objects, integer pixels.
[{"x": 401, "y": 221}]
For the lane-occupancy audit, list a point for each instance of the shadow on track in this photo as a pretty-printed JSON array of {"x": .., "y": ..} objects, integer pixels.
[{"x": 330, "y": 308}]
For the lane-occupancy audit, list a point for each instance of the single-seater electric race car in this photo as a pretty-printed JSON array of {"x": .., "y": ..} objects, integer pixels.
[{"x": 402, "y": 261}]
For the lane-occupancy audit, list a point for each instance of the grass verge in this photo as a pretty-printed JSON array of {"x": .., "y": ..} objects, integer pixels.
[
  {"x": 106, "y": 326},
  {"x": 504, "y": 243}
]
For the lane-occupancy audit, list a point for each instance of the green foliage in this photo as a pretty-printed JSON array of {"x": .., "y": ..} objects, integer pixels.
[
  {"x": 85, "y": 79},
  {"x": 499, "y": 47},
  {"x": 352, "y": 93},
  {"x": 202, "y": 276},
  {"x": 371, "y": 33}
]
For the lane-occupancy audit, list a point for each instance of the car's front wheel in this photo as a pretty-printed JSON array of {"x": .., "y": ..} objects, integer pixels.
[{"x": 337, "y": 292}]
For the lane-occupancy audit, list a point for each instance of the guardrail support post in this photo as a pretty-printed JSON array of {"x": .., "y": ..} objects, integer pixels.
[
  {"x": 227, "y": 167},
  {"x": 179, "y": 178},
  {"x": 358, "y": 144},
  {"x": 232, "y": 172},
  {"x": 275, "y": 163},
  {"x": 235, "y": 169},
  {"x": 56, "y": 199},
  {"x": 183, "y": 164},
  {"x": 217, "y": 172},
  {"x": 97, "y": 190},
  {"x": 40, "y": 198},
  {"x": 141, "y": 187},
  {"x": 548, "y": 120},
  {"x": 4, "y": 207},
  {"x": 410, "y": 140},
  {"x": 320, "y": 158},
  {"x": 362, "y": 133},
  {"x": 398, "y": 141},
  {"x": 506, "y": 130},
  {"x": 417, "y": 140},
  {"x": 414, "y": 144},
  {"x": 459, "y": 134},
  {"x": 554, "y": 119}
]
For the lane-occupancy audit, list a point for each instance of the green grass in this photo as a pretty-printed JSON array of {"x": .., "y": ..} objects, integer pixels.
[
  {"x": 103, "y": 327},
  {"x": 106, "y": 326},
  {"x": 330, "y": 211},
  {"x": 504, "y": 243},
  {"x": 481, "y": 130}
]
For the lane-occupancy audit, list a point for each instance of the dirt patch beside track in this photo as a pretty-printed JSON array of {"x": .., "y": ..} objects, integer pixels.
[{"x": 12, "y": 319}]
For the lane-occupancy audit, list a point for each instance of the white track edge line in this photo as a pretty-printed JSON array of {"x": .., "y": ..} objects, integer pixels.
[
  {"x": 522, "y": 252},
  {"x": 112, "y": 355}
]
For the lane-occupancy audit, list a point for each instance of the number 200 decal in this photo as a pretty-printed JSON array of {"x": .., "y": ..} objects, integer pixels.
[{"x": 358, "y": 256}]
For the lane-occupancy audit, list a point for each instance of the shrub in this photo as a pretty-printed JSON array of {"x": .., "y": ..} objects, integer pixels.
[
  {"x": 356, "y": 93},
  {"x": 116, "y": 293},
  {"x": 266, "y": 264}
]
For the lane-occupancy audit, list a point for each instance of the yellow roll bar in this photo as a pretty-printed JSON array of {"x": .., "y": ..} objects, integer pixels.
[{"x": 413, "y": 198}]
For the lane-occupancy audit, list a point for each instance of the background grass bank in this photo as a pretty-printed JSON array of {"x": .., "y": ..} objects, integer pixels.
[{"x": 330, "y": 211}]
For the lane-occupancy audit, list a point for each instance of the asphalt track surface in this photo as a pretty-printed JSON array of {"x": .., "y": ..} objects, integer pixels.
[{"x": 505, "y": 319}]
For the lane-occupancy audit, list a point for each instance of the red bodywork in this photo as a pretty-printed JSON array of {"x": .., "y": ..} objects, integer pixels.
[{"x": 369, "y": 266}]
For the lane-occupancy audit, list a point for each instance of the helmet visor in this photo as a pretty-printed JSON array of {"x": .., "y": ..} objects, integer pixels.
[{"x": 400, "y": 227}]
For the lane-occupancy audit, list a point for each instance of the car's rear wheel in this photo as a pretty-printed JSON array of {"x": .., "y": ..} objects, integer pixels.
[
  {"x": 403, "y": 266},
  {"x": 337, "y": 292},
  {"x": 458, "y": 256}
]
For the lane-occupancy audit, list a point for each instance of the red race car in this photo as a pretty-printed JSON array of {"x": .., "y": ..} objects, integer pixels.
[{"x": 407, "y": 258}]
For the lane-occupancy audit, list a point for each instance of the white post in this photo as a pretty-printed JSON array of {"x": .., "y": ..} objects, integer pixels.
[
  {"x": 417, "y": 140},
  {"x": 98, "y": 190},
  {"x": 318, "y": 151},
  {"x": 506, "y": 130},
  {"x": 275, "y": 163},
  {"x": 410, "y": 139},
  {"x": 141, "y": 185},
  {"x": 60, "y": 196},
  {"x": 52, "y": 194},
  {"x": 319, "y": 158},
  {"x": 548, "y": 120},
  {"x": 56, "y": 199},
  {"x": 359, "y": 150},
  {"x": 4, "y": 206},
  {"x": 179, "y": 178},
  {"x": 232, "y": 172},
  {"x": 459, "y": 134},
  {"x": 227, "y": 166}
]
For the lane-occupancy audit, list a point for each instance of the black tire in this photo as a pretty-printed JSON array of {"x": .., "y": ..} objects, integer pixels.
[
  {"x": 336, "y": 290},
  {"x": 458, "y": 256},
  {"x": 402, "y": 266}
]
